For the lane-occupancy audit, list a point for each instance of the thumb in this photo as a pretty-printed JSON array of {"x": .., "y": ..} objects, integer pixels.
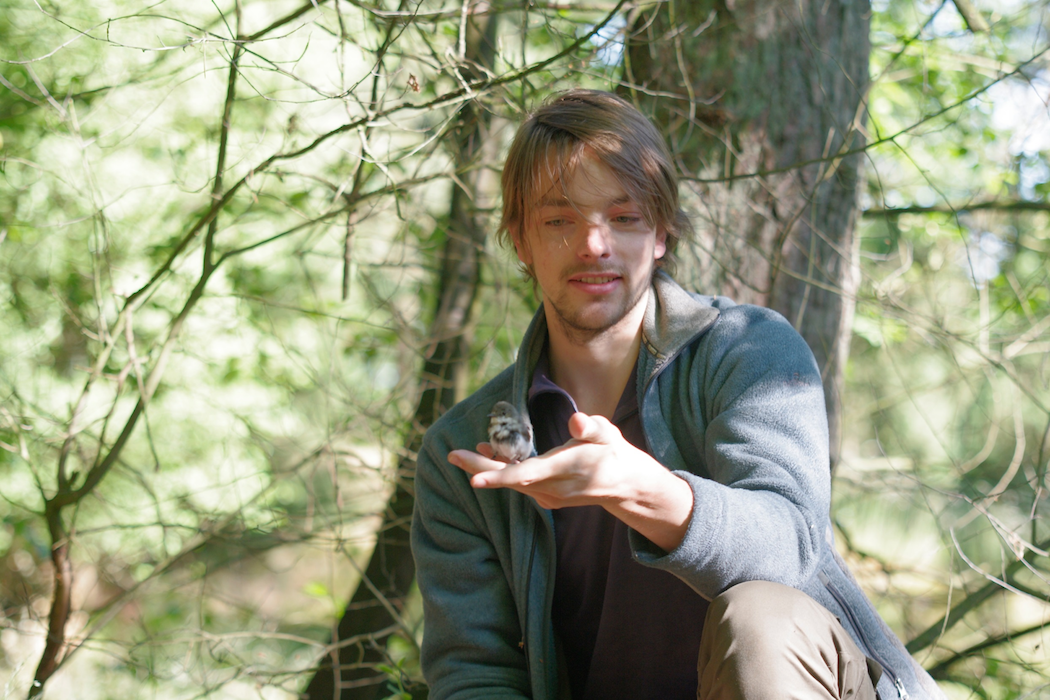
[{"x": 589, "y": 428}]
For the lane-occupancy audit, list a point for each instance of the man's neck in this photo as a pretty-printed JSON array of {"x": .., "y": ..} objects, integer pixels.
[{"x": 595, "y": 371}]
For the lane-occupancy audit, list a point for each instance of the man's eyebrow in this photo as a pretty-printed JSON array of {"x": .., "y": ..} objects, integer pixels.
[
  {"x": 554, "y": 201},
  {"x": 560, "y": 201}
]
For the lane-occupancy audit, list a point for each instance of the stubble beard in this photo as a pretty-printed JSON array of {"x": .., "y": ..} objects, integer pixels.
[{"x": 580, "y": 329}]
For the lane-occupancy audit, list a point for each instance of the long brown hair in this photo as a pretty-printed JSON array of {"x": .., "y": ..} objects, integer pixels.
[{"x": 551, "y": 141}]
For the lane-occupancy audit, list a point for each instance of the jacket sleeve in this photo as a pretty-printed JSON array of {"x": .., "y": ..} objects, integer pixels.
[
  {"x": 745, "y": 407},
  {"x": 470, "y": 643}
]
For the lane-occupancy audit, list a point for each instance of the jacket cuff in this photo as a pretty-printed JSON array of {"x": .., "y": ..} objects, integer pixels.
[{"x": 682, "y": 560}]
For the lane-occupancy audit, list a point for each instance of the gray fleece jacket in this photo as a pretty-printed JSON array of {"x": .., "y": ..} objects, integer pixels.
[{"x": 731, "y": 401}]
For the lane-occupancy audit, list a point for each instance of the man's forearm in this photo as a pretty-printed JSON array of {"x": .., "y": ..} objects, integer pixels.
[{"x": 659, "y": 506}]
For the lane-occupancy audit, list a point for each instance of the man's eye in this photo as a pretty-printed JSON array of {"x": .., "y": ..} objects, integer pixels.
[
  {"x": 627, "y": 219},
  {"x": 555, "y": 222}
]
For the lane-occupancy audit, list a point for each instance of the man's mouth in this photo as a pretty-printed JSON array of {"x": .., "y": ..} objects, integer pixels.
[
  {"x": 594, "y": 279},
  {"x": 600, "y": 283}
]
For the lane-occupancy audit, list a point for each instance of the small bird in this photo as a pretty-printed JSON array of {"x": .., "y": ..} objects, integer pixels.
[{"x": 510, "y": 432}]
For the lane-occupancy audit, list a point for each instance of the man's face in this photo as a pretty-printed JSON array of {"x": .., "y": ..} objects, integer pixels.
[{"x": 590, "y": 249}]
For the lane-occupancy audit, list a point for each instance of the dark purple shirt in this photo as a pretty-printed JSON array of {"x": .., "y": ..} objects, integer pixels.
[{"x": 627, "y": 630}]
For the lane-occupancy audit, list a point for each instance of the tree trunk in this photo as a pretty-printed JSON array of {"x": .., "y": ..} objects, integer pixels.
[
  {"x": 61, "y": 601},
  {"x": 391, "y": 570},
  {"x": 769, "y": 92}
]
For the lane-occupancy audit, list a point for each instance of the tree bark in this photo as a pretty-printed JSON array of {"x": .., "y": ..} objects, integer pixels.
[
  {"x": 768, "y": 92},
  {"x": 391, "y": 569},
  {"x": 61, "y": 601}
]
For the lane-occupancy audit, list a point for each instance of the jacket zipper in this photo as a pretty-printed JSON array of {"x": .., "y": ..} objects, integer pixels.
[
  {"x": 869, "y": 650},
  {"x": 548, "y": 593},
  {"x": 528, "y": 584},
  {"x": 651, "y": 381}
]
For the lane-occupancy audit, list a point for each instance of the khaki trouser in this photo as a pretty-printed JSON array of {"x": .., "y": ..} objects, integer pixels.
[{"x": 766, "y": 641}]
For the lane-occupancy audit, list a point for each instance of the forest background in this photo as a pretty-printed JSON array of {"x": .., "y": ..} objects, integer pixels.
[{"x": 246, "y": 258}]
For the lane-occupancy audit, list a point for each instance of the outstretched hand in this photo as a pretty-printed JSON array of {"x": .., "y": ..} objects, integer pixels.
[
  {"x": 583, "y": 471},
  {"x": 597, "y": 466}
]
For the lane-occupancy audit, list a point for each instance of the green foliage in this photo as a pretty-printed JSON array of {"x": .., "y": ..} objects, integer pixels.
[
  {"x": 271, "y": 313},
  {"x": 218, "y": 550},
  {"x": 943, "y": 483}
]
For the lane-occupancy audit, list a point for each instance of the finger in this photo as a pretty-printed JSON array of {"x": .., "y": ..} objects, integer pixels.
[
  {"x": 486, "y": 450},
  {"x": 590, "y": 428},
  {"x": 517, "y": 476},
  {"x": 472, "y": 462}
]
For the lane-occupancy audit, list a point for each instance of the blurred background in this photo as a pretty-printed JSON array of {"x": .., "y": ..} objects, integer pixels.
[{"x": 246, "y": 258}]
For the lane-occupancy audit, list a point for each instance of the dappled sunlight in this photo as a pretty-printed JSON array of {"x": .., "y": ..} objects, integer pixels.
[{"x": 247, "y": 257}]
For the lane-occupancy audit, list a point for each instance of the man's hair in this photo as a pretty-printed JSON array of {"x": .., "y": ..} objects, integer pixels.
[{"x": 552, "y": 140}]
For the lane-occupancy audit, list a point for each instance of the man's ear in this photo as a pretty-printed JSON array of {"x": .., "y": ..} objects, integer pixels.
[
  {"x": 521, "y": 246},
  {"x": 661, "y": 243}
]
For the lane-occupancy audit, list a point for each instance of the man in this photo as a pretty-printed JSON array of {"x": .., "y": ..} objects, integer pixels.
[{"x": 671, "y": 538}]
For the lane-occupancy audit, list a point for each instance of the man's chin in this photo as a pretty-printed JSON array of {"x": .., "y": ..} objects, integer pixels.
[
  {"x": 592, "y": 317},
  {"x": 592, "y": 321}
]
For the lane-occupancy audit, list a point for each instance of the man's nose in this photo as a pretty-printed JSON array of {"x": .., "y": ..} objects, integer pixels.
[{"x": 595, "y": 240}]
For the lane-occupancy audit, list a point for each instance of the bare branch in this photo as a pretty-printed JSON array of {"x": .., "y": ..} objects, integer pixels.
[
  {"x": 997, "y": 205},
  {"x": 974, "y": 20},
  {"x": 845, "y": 153},
  {"x": 968, "y": 604}
]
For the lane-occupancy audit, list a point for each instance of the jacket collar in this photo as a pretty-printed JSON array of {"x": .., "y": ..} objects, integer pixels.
[{"x": 673, "y": 318}]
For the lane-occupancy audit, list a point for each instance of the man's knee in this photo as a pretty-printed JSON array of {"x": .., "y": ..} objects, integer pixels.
[
  {"x": 761, "y": 639},
  {"x": 762, "y": 609},
  {"x": 754, "y": 619}
]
